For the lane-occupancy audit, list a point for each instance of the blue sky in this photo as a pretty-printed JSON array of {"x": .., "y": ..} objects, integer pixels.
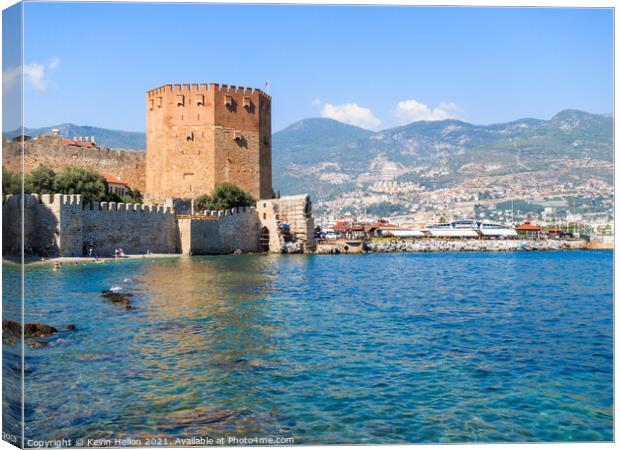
[{"x": 376, "y": 67}]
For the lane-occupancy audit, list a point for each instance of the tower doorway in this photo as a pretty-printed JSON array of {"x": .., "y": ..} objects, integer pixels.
[{"x": 264, "y": 239}]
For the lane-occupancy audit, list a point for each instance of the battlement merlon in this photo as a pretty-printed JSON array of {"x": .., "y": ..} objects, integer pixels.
[
  {"x": 195, "y": 88},
  {"x": 75, "y": 202}
]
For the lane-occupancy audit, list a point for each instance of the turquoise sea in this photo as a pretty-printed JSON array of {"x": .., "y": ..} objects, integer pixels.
[{"x": 407, "y": 348}]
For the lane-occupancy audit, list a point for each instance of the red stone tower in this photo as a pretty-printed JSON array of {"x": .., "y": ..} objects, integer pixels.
[{"x": 201, "y": 135}]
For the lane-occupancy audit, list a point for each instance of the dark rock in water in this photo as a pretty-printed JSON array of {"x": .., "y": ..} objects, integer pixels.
[
  {"x": 96, "y": 356},
  {"x": 12, "y": 327},
  {"x": 108, "y": 293},
  {"x": 30, "y": 329},
  {"x": 39, "y": 330},
  {"x": 9, "y": 340},
  {"x": 197, "y": 417},
  {"x": 37, "y": 344},
  {"x": 118, "y": 298},
  {"x": 70, "y": 327},
  {"x": 239, "y": 364}
]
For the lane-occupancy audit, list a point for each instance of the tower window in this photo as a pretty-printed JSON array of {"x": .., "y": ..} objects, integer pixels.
[
  {"x": 190, "y": 137},
  {"x": 228, "y": 100},
  {"x": 151, "y": 104},
  {"x": 199, "y": 99},
  {"x": 180, "y": 100}
]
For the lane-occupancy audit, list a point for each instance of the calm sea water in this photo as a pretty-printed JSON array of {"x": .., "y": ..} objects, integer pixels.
[{"x": 326, "y": 349}]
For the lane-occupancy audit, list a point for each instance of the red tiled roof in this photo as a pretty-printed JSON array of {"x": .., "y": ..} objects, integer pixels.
[
  {"x": 380, "y": 224},
  {"x": 78, "y": 143},
  {"x": 340, "y": 226},
  {"x": 115, "y": 180},
  {"x": 527, "y": 226}
]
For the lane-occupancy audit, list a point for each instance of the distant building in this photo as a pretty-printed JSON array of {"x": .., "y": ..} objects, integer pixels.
[
  {"x": 555, "y": 232},
  {"x": 528, "y": 229},
  {"x": 21, "y": 137},
  {"x": 116, "y": 185}
]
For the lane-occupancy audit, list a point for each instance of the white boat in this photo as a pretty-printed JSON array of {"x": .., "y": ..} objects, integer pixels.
[{"x": 469, "y": 229}]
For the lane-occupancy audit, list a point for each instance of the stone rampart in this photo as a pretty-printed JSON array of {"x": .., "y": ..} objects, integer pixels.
[
  {"x": 62, "y": 225},
  {"x": 219, "y": 232},
  {"x": 128, "y": 165},
  {"x": 133, "y": 227}
]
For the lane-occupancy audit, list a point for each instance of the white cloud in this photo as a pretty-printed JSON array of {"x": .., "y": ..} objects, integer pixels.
[
  {"x": 53, "y": 63},
  {"x": 352, "y": 114},
  {"x": 9, "y": 78},
  {"x": 408, "y": 111},
  {"x": 35, "y": 75}
]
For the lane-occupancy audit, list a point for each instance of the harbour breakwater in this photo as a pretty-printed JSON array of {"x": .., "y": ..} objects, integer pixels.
[{"x": 447, "y": 245}]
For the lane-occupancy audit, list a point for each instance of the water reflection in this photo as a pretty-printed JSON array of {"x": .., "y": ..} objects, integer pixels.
[{"x": 204, "y": 339}]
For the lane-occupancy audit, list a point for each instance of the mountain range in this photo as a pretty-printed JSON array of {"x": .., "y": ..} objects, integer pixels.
[{"x": 325, "y": 158}]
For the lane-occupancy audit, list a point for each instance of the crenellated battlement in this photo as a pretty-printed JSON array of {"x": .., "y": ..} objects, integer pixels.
[
  {"x": 218, "y": 214},
  {"x": 203, "y": 88},
  {"x": 128, "y": 207},
  {"x": 59, "y": 200},
  {"x": 65, "y": 202},
  {"x": 231, "y": 211}
]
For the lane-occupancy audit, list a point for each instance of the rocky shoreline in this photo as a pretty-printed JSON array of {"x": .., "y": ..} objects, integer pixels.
[
  {"x": 472, "y": 245},
  {"x": 447, "y": 245}
]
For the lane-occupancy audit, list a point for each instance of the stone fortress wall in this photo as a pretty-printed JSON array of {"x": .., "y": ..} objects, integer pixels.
[
  {"x": 63, "y": 225},
  {"x": 128, "y": 165},
  {"x": 215, "y": 232}
]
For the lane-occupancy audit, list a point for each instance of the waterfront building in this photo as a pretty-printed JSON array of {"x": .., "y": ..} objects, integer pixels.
[
  {"x": 528, "y": 229},
  {"x": 116, "y": 185}
]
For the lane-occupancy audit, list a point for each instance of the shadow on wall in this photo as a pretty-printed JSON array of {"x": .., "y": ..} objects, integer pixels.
[{"x": 41, "y": 227}]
